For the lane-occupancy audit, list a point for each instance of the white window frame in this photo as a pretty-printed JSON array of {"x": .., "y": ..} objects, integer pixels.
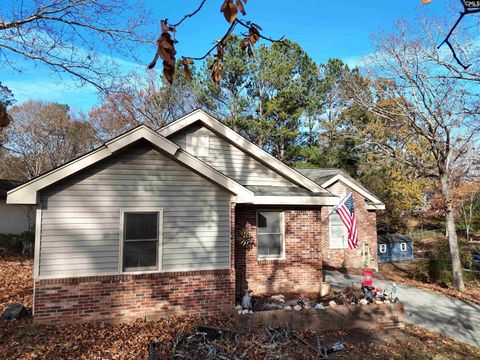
[
  {"x": 330, "y": 234},
  {"x": 282, "y": 233},
  {"x": 122, "y": 240},
  {"x": 197, "y": 151},
  {"x": 382, "y": 248},
  {"x": 403, "y": 247}
]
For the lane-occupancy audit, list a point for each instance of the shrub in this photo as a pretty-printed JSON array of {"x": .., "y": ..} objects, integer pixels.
[
  {"x": 22, "y": 243},
  {"x": 438, "y": 268}
]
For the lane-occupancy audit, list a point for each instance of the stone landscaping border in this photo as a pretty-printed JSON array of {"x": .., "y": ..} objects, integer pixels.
[{"x": 340, "y": 317}]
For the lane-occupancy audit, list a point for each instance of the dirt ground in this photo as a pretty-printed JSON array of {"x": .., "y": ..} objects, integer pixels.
[{"x": 25, "y": 339}]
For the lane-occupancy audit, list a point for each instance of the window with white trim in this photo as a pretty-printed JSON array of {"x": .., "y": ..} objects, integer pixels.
[
  {"x": 403, "y": 247},
  {"x": 338, "y": 232},
  {"x": 383, "y": 248},
  {"x": 198, "y": 144},
  {"x": 270, "y": 235},
  {"x": 141, "y": 235}
]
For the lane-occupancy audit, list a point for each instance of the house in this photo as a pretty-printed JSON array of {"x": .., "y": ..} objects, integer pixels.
[
  {"x": 14, "y": 219},
  {"x": 394, "y": 247},
  {"x": 149, "y": 224}
]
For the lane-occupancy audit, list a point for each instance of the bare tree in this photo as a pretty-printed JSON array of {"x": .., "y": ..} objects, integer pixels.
[
  {"x": 41, "y": 137},
  {"x": 141, "y": 100},
  {"x": 72, "y": 37},
  {"x": 435, "y": 117}
]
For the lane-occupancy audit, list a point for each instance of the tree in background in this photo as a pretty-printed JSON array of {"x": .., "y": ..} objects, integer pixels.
[
  {"x": 143, "y": 101},
  {"x": 265, "y": 96},
  {"x": 433, "y": 116},
  {"x": 41, "y": 137},
  {"x": 6, "y": 99},
  {"x": 71, "y": 37},
  {"x": 467, "y": 203}
]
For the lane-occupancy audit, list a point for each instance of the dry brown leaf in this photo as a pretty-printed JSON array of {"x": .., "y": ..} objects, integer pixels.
[
  {"x": 229, "y": 10},
  {"x": 186, "y": 69},
  {"x": 240, "y": 7},
  {"x": 426, "y": 2}
]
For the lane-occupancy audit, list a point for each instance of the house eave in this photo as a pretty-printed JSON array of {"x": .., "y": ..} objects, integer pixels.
[{"x": 292, "y": 200}]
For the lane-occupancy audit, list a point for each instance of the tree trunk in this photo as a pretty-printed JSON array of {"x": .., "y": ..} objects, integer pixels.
[{"x": 452, "y": 235}]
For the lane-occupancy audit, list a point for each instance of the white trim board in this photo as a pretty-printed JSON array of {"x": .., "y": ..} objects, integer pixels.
[
  {"x": 27, "y": 193},
  {"x": 243, "y": 144},
  {"x": 355, "y": 187}
]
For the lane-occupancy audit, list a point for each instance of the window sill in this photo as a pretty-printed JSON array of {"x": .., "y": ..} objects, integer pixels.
[{"x": 277, "y": 259}]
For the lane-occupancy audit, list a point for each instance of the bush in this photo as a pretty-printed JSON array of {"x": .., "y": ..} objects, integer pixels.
[
  {"x": 22, "y": 243},
  {"x": 438, "y": 268}
]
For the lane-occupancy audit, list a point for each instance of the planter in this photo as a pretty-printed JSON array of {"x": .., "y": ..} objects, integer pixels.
[{"x": 340, "y": 317}]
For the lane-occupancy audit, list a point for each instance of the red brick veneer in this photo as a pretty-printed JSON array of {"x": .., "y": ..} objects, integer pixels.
[
  {"x": 127, "y": 297},
  {"x": 300, "y": 271},
  {"x": 367, "y": 233}
]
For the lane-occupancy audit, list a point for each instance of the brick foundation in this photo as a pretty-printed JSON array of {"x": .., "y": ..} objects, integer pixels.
[
  {"x": 300, "y": 271},
  {"x": 128, "y": 297},
  {"x": 367, "y": 233}
]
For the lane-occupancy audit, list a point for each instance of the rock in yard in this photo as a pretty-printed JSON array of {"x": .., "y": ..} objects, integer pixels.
[
  {"x": 279, "y": 298},
  {"x": 14, "y": 311},
  {"x": 363, "y": 302},
  {"x": 287, "y": 308},
  {"x": 306, "y": 307},
  {"x": 297, "y": 307},
  {"x": 332, "y": 303}
]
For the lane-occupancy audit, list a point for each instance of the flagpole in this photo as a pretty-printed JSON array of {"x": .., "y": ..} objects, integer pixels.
[{"x": 341, "y": 202}]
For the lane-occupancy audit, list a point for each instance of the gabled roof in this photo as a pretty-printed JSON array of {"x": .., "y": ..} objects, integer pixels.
[
  {"x": 27, "y": 193},
  {"x": 243, "y": 144},
  {"x": 328, "y": 177},
  {"x": 6, "y": 185},
  {"x": 393, "y": 238}
]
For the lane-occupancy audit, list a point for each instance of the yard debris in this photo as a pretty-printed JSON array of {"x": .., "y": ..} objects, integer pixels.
[
  {"x": 247, "y": 300},
  {"x": 332, "y": 303},
  {"x": 215, "y": 343},
  {"x": 278, "y": 298},
  {"x": 319, "y": 306},
  {"x": 297, "y": 308},
  {"x": 14, "y": 311}
]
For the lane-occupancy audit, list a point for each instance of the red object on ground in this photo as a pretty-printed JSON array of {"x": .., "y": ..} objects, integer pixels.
[{"x": 367, "y": 277}]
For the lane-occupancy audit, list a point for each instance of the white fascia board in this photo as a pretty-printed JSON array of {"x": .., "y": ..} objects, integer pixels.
[
  {"x": 142, "y": 132},
  {"x": 352, "y": 186},
  {"x": 27, "y": 193},
  {"x": 296, "y": 200},
  {"x": 371, "y": 206},
  {"x": 214, "y": 175},
  {"x": 250, "y": 148}
]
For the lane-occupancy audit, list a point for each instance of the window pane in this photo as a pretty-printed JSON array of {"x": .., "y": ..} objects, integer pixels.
[
  {"x": 335, "y": 219},
  {"x": 269, "y": 244},
  {"x": 140, "y": 254},
  {"x": 269, "y": 222},
  {"x": 140, "y": 226}
]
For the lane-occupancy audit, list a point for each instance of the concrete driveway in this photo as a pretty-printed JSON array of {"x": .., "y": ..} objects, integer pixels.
[{"x": 443, "y": 314}]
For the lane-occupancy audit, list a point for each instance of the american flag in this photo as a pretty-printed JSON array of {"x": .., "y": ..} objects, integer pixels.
[{"x": 346, "y": 211}]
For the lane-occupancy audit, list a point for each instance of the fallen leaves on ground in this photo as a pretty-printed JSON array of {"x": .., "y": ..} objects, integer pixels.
[{"x": 16, "y": 280}]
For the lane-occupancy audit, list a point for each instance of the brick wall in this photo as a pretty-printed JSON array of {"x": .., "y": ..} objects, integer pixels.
[
  {"x": 367, "y": 233},
  {"x": 301, "y": 270},
  {"x": 128, "y": 297}
]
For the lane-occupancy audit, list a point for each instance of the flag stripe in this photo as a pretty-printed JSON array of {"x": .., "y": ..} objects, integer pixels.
[{"x": 346, "y": 211}]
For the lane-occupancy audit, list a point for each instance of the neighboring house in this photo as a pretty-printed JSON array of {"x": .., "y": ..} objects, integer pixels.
[
  {"x": 146, "y": 225},
  {"x": 14, "y": 219},
  {"x": 394, "y": 247}
]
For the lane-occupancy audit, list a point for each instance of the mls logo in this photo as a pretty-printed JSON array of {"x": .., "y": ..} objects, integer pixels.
[{"x": 472, "y": 4}]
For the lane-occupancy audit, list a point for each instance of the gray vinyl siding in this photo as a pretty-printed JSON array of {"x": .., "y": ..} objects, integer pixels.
[
  {"x": 232, "y": 161},
  {"x": 81, "y": 215}
]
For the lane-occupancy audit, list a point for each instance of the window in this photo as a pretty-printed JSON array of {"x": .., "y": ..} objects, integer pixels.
[
  {"x": 198, "y": 144},
  {"x": 141, "y": 234},
  {"x": 338, "y": 232},
  {"x": 403, "y": 247},
  {"x": 270, "y": 235},
  {"x": 383, "y": 248}
]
